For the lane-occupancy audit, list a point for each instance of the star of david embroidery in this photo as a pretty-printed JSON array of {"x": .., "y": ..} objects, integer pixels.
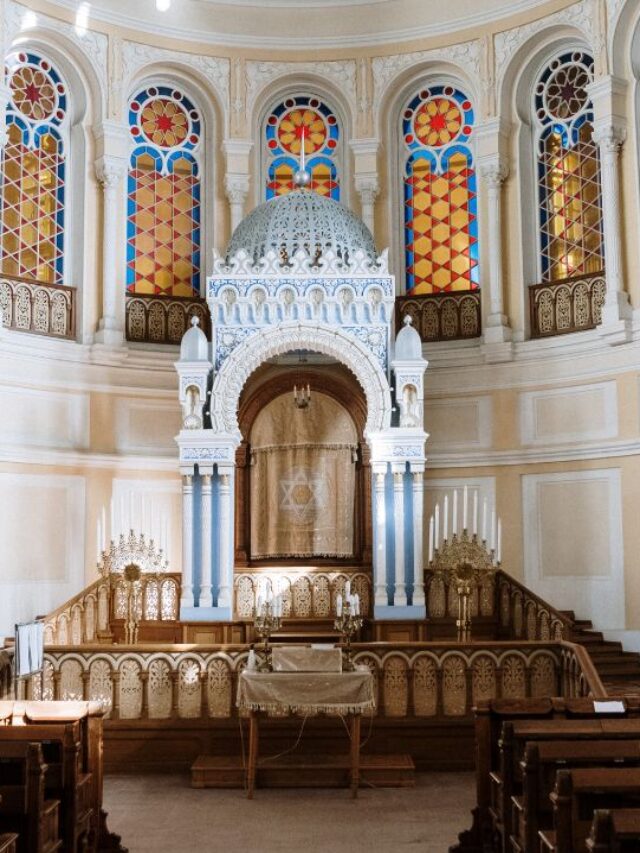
[{"x": 302, "y": 493}]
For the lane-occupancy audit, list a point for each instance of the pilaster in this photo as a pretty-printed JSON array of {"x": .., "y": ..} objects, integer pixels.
[
  {"x": 366, "y": 179},
  {"x": 237, "y": 177}
]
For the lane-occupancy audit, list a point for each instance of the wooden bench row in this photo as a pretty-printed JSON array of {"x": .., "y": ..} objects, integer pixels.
[
  {"x": 51, "y": 777},
  {"x": 523, "y": 750}
]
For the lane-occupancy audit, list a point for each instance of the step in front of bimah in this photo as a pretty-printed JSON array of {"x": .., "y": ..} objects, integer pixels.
[{"x": 304, "y": 771}]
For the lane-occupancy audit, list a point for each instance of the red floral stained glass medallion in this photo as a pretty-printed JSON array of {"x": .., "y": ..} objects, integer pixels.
[
  {"x": 164, "y": 122},
  {"x": 302, "y": 123},
  {"x": 437, "y": 122},
  {"x": 34, "y": 93}
]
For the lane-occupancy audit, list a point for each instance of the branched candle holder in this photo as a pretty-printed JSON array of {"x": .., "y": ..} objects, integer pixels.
[
  {"x": 465, "y": 561},
  {"x": 267, "y": 619},
  {"x": 348, "y": 623}
]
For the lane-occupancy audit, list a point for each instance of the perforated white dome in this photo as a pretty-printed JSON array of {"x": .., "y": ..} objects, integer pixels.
[{"x": 302, "y": 219}]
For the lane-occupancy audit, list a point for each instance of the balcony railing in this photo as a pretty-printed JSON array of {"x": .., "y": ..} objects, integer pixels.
[
  {"x": 36, "y": 307},
  {"x": 570, "y": 305},
  {"x": 163, "y": 319},
  {"x": 450, "y": 316}
]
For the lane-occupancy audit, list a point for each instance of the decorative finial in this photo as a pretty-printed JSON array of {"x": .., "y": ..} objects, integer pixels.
[
  {"x": 302, "y": 176},
  {"x": 195, "y": 321},
  {"x": 408, "y": 319}
]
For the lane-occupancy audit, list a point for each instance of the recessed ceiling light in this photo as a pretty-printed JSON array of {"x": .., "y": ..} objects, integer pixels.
[{"x": 163, "y": 5}]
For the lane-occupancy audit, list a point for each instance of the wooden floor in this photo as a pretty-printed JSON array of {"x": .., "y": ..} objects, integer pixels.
[{"x": 163, "y": 813}]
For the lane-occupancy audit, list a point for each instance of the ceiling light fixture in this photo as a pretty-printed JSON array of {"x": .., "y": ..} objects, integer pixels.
[{"x": 163, "y": 5}]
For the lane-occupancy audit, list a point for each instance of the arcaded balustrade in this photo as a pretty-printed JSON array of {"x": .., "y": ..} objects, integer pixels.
[
  {"x": 518, "y": 613},
  {"x": 164, "y": 319},
  {"x": 304, "y": 594},
  {"x": 447, "y": 316},
  {"x": 88, "y": 617},
  {"x": 571, "y": 305},
  {"x": 422, "y": 680},
  {"x": 39, "y": 308}
]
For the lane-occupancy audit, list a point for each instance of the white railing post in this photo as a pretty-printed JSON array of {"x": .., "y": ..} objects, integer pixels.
[
  {"x": 400, "y": 588},
  {"x": 380, "y": 545},
  {"x": 417, "y": 483},
  {"x": 186, "y": 597},
  {"x": 206, "y": 597}
]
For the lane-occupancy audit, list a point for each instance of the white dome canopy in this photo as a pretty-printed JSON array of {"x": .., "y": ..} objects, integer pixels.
[{"x": 302, "y": 219}]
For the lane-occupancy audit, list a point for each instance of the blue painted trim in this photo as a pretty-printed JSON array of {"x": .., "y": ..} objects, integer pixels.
[
  {"x": 412, "y": 611},
  {"x": 205, "y": 614}
]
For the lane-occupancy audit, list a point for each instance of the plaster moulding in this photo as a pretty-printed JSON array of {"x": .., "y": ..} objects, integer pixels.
[
  {"x": 19, "y": 22},
  {"x": 215, "y": 69},
  {"x": 387, "y": 68},
  {"x": 342, "y": 73},
  {"x": 583, "y": 16}
]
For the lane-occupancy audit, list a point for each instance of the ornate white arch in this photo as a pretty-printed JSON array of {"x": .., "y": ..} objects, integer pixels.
[{"x": 269, "y": 342}]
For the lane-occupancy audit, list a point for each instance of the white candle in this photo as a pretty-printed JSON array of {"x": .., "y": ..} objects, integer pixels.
[
  {"x": 347, "y": 589},
  {"x": 112, "y": 518},
  {"x": 484, "y": 520},
  {"x": 431, "y": 539},
  {"x": 259, "y": 603},
  {"x": 436, "y": 528},
  {"x": 98, "y": 538},
  {"x": 493, "y": 529},
  {"x": 464, "y": 508},
  {"x": 475, "y": 513},
  {"x": 357, "y": 597},
  {"x": 103, "y": 528},
  {"x": 499, "y": 540},
  {"x": 454, "y": 526},
  {"x": 445, "y": 519},
  {"x": 131, "y": 510},
  {"x": 338, "y": 605},
  {"x": 122, "y": 516}
]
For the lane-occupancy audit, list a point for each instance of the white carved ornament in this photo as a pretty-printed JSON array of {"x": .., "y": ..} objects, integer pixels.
[
  {"x": 259, "y": 74},
  {"x": 301, "y": 264},
  {"x": 288, "y": 337}
]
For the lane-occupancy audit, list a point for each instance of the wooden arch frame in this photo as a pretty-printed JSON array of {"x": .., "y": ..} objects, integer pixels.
[{"x": 335, "y": 381}]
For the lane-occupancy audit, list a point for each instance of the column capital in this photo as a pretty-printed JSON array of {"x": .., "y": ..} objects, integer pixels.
[
  {"x": 494, "y": 170},
  {"x": 110, "y": 170},
  {"x": 236, "y": 187},
  {"x": 365, "y": 146},
  {"x": 237, "y": 147},
  {"x": 112, "y": 139},
  {"x": 492, "y": 138},
  {"x": 609, "y": 137}
]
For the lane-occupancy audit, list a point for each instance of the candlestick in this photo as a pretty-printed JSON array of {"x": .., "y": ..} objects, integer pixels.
[
  {"x": 454, "y": 526},
  {"x": 499, "y": 540},
  {"x": 436, "y": 528},
  {"x": 464, "y": 508},
  {"x": 431, "y": 539},
  {"x": 484, "y": 520},
  {"x": 445, "y": 519},
  {"x": 475, "y": 512},
  {"x": 493, "y": 529}
]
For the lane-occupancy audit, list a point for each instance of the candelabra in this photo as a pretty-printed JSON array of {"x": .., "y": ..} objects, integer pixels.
[
  {"x": 132, "y": 577},
  {"x": 348, "y": 622},
  {"x": 267, "y": 619},
  {"x": 464, "y": 561}
]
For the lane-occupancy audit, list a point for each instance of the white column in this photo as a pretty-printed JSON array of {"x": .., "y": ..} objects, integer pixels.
[
  {"x": 236, "y": 188},
  {"x": 368, "y": 190},
  {"x": 5, "y": 97},
  {"x": 609, "y": 98},
  {"x": 367, "y": 184},
  {"x": 110, "y": 172},
  {"x": 186, "y": 598},
  {"x": 206, "y": 597},
  {"x": 225, "y": 561},
  {"x": 609, "y": 139},
  {"x": 496, "y": 329},
  {"x": 418, "y": 545},
  {"x": 380, "y": 550},
  {"x": 400, "y": 589}
]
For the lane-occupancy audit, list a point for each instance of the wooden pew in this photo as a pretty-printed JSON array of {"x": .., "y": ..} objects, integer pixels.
[
  {"x": 65, "y": 778},
  {"x": 576, "y": 795},
  {"x": 23, "y": 808},
  {"x": 8, "y": 842},
  {"x": 532, "y": 810},
  {"x": 615, "y": 831}
]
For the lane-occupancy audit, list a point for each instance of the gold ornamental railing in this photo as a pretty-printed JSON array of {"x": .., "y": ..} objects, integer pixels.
[
  {"x": 451, "y": 316},
  {"x": 163, "y": 319},
  {"x": 413, "y": 680},
  {"x": 38, "y": 308},
  {"x": 569, "y": 305}
]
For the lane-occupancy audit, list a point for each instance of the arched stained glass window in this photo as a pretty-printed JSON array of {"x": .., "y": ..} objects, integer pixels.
[
  {"x": 163, "y": 208},
  {"x": 440, "y": 198},
  {"x": 568, "y": 165},
  {"x": 298, "y": 118},
  {"x": 33, "y": 171}
]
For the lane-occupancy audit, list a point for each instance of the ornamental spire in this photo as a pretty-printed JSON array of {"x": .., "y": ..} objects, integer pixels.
[{"x": 302, "y": 176}]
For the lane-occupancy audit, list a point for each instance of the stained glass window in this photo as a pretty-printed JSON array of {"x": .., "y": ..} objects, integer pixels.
[
  {"x": 163, "y": 207},
  {"x": 294, "y": 120},
  {"x": 440, "y": 197},
  {"x": 568, "y": 167},
  {"x": 33, "y": 171}
]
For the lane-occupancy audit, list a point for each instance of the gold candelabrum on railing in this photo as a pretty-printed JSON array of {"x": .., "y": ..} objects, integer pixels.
[
  {"x": 348, "y": 622},
  {"x": 267, "y": 618},
  {"x": 132, "y": 575},
  {"x": 464, "y": 557}
]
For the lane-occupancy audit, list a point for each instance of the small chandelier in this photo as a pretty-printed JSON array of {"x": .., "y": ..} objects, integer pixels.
[{"x": 302, "y": 396}]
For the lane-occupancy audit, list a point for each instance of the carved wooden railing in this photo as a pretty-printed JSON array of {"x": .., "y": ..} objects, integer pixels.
[
  {"x": 516, "y": 612},
  {"x": 6, "y": 673},
  {"x": 90, "y": 615},
  {"x": 450, "y": 316},
  {"x": 570, "y": 305},
  {"x": 36, "y": 307},
  {"x": 163, "y": 319},
  {"x": 304, "y": 593},
  {"x": 413, "y": 680}
]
